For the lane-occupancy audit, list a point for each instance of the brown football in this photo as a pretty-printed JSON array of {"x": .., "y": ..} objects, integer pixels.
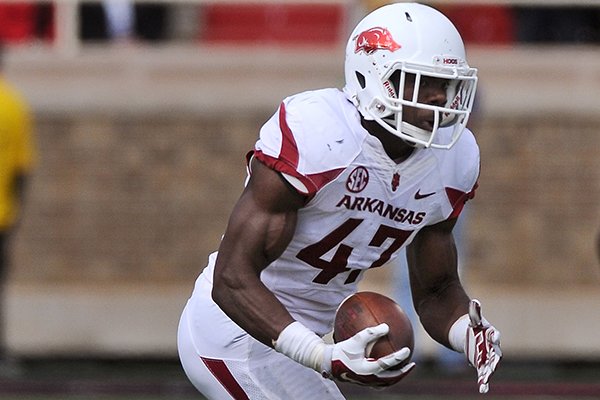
[{"x": 365, "y": 309}]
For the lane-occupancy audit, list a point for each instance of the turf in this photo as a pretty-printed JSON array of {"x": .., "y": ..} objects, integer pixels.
[{"x": 164, "y": 379}]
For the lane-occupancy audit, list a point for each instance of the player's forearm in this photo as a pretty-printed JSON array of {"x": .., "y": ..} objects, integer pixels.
[
  {"x": 439, "y": 310},
  {"x": 438, "y": 295},
  {"x": 252, "y": 306},
  {"x": 240, "y": 293}
]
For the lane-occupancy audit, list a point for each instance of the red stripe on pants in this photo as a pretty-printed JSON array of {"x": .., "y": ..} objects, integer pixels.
[{"x": 224, "y": 376}]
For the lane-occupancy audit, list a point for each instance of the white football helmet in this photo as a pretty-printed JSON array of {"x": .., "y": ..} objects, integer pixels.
[{"x": 395, "y": 42}]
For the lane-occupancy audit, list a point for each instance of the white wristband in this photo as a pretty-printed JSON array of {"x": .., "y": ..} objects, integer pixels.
[
  {"x": 457, "y": 335},
  {"x": 302, "y": 345}
]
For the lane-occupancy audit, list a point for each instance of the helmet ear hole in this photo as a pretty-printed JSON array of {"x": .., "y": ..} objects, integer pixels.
[{"x": 361, "y": 79}]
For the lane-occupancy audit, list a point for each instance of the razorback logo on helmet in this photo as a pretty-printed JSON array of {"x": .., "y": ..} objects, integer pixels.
[{"x": 375, "y": 39}]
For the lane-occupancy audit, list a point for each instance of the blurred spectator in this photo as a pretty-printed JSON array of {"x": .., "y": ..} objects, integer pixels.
[
  {"x": 17, "y": 22},
  {"x": 44, "y": 21},
  {"x": 22, "y": 22},
  {"x": 119, "y": 19},
  {"x": 558, "y": 24},
  {"x": 92, "y": 22},
  {"x": 483, "y": 24},
  {"x": 151, "y": 21},
  {"x": 16, "y": 162},
  {"x": 272, "y": 24}
]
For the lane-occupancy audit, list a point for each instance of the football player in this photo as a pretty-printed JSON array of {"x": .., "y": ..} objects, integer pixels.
[{"x": 339, "y": 181}]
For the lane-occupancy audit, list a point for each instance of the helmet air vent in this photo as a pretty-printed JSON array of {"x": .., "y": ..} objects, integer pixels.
[{"x": 361, "y": 79}]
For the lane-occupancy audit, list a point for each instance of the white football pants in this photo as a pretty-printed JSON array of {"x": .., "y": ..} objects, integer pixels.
[{"x": 223, "y": 362}]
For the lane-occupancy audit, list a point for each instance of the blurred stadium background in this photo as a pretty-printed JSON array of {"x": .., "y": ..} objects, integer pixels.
[{"x": 142, "y": 126}]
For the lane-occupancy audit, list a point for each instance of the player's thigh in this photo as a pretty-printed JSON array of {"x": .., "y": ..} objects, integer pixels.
[
  {"x": 280, "y": 377},
  {"x": 195, "y": 369},
  {"x": 253, "y": 371}
]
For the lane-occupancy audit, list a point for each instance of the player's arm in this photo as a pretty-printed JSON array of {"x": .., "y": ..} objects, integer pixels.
[
  {"x": 445, "y": 310},
  {"x": 438, "y": 295},
  {"x": 259, "y": 229}
]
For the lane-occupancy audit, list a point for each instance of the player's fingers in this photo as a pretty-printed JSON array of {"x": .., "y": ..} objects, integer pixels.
[
  {"x": 495, "y": 359},
  {"x": 496, "y": 350},
  {"x": 407, "y": 368},
  {"x": 483, "y": 377},
  {"x": 475, "y": 312},
  {"x": 395, "y": 373},
  {"x": 394, "y": 359},
  {"x": 372, "y": 333},
  {"x": 485, "y": 373},
  {"x": 484, "y": 388},
  {"x": 494, "y": 336}
]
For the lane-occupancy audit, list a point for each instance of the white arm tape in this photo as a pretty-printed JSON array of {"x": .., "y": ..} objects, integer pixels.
[
  {"x": 457, "y": 336},
  {"x": 301, "y": 345}
]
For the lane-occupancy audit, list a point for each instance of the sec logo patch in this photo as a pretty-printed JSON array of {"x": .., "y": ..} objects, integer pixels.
[{"x": 358, "y": 180}]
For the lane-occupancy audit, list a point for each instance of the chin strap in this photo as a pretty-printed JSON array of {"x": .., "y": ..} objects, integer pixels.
[
  {"x": 416, "y": 132},
  {"x": 409, "y": 130}
]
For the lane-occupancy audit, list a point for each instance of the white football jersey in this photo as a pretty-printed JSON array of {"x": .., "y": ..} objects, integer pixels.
[{"x": 362, "y": 207}]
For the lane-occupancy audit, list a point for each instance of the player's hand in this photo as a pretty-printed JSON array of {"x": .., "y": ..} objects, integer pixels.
[
  {"x": 482, "y": 347},
  {"x": 346, "y": 360}
]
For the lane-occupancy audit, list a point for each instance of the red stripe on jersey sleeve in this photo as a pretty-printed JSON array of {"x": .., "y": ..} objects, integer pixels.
[
  {"x": 458, "y": 199},
  {"x": 287, "y": 161},
  {"x": 224, "y": 376},
  {"x": 312, "y": 182},
  {"x": 289, "y": 149},
  {"x": 283, "y": 167}
]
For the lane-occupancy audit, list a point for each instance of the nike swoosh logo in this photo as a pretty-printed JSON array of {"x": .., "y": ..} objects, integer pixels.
[
  {"x": 344, "y": 376},
  {"x": 419, "y": 196}
]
